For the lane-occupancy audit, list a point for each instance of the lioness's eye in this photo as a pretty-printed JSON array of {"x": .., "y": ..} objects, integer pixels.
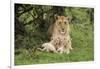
[
  {"x": 59, "y": 22},
  {"x": 65, "y": 22}
]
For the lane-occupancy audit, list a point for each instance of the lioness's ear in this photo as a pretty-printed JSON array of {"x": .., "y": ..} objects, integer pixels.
[
  {"x": 56, "y": 16},
  {"x": 69, "y": 18}
]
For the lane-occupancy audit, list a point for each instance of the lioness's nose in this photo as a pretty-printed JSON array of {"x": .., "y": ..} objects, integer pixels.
[{"x": 62, "y": 29}]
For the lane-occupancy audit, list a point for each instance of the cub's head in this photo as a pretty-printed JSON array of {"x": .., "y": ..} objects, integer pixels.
[{"x": 62, "y": 23}]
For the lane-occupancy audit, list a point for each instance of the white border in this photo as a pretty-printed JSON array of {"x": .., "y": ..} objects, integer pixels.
[
  {"x": 74, "y": 3},
  {"x": 12, "y": 36},
  {"x": 71, "y": 3}
]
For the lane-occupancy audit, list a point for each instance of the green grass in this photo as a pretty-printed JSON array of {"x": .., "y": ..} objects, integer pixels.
[{"x": 82, "y": 43}]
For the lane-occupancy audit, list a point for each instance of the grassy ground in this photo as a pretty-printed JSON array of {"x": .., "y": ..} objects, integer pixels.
[{"x": 82, "y": 43}]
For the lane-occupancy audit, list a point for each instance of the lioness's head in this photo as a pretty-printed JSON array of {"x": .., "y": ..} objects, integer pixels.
[{"x": 62, "y": 23}]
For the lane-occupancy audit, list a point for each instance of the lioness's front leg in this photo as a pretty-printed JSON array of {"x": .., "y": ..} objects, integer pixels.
[
  {"x": 67, "y": 51},
  {"x": 70, "y": 46}
]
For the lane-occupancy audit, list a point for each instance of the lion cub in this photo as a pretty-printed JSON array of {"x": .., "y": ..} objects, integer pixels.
[{"x": 49, "y": 47}]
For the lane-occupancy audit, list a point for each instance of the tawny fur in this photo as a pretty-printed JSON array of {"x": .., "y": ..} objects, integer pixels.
[
  {"x": 61, "y": 32},
  {"x": 65, "y": 45}
]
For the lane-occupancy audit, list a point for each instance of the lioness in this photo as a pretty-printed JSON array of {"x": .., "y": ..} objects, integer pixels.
[{"x": 61, "y": 29}]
